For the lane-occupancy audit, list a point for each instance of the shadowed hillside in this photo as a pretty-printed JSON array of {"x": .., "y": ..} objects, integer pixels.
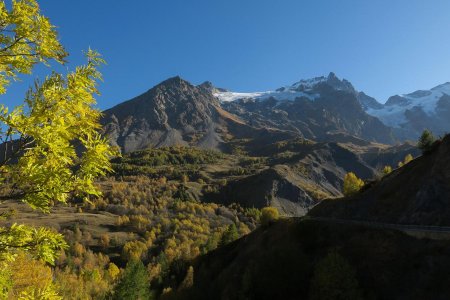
[
  {"x": 282, "y": 262},
  {"x": 417, "y": 193}
]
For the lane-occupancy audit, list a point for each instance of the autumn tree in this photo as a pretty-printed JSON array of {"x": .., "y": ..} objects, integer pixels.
[
  {"x": 387, "y": 170},
  {"x": 334, "y": 279},
  {"x": 51, "y": 147},
  {"x": 188, "y": 280},
  {"x": 29, "y": 279},
  {"x": 352, "y": 184},
  {"x": 113, "y": 271},
  {"x": 408, "y": 158},
  {"x": 269, "y": 215}
]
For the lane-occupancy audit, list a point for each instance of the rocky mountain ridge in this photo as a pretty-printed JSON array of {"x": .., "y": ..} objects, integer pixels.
[
  {"x": 405, "y": 115},
  {"x": 176, "y": 112}
]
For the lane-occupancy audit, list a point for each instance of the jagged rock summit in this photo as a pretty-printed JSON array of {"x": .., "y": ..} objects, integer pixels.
[
  {"x": 176, "y": 112},
  {"x": 172, "y": 113},
  {"x": 410, "y": 114},
  {"x": 320, "y": 109}
]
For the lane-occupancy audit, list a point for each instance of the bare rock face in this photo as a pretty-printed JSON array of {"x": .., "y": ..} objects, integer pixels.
[
  {"x": 176, "y": 112},
  {"x": 172, "y": 113},
  {"x": 333, "y": 106}
]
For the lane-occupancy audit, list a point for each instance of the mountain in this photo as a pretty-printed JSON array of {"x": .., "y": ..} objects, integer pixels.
[
  {"x": 176, "y": 112},
  {"x": 297, "y": 175},
  {"x": 328, "y": 101},
  {"x": 418, "y": 193},
  {"x": 316, "y": 109},
  {"x": 337, "y": 255},
  {"x": 173, "y": 112},
  {"x": 325, "y": 108},
  {"x": 410, "y": 114}
]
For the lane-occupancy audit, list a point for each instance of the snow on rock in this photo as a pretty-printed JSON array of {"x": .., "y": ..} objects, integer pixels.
[
  {"x": 393, "y": 112},
  {"x": 288, "y": 95}
]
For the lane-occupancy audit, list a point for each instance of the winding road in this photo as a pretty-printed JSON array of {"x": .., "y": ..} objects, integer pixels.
[{"x": 401, "y": 227}]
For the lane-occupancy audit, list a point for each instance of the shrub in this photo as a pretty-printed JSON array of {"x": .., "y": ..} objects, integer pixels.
[
  {"x": 406, "y": 160},
  {"x": 269, "y": 215},
  {"x": 352, "y": 184},
  {"x": 387, "y": 170}
]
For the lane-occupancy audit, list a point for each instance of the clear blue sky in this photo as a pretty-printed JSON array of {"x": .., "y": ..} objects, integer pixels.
[{"x": 383, "y": 47}]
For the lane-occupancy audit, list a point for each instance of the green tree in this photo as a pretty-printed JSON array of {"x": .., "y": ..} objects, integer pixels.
[
  {"x": 268, "y": 215},
  {"x": 426, "y": 140},
  {"x": 134, "y": 283},
  {"x": 229, "y": 235},
  {"x": 334, "y": 279},
  {"x": 352, "y": 184},
  {"x": 188, "y": 280},
  {"x": 53, "y": 136}
]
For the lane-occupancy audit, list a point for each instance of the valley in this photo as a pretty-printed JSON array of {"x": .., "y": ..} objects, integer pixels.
[{"x": 124, "y": 175}]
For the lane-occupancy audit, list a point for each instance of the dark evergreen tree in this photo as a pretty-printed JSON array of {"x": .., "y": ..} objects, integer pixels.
[
  {"x": 134, "y": 283},
  {"x": 426, "y": 140},
  {"x": 229, "y": 235}
]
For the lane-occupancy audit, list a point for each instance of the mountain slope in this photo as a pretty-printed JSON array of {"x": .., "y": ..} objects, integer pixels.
[
  {"x": 410, "y": 114},
  {"x": 316, "y": 109},
  {"x": 418, "y": 193},
  {"x": 172, "y": 113},
  {"x": 178, "y": 113},
  {"x": 280, "y": 261}
]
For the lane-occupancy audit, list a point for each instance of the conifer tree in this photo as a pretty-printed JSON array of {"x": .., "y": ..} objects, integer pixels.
[
  {"x": 134, "y": 283},
  {"x": 229, "y": 235},
  {"x": 426, "y": 140}
]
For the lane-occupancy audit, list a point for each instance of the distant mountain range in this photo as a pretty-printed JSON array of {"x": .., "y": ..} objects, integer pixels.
[
  {"x": 176, "y": 112},
  {"x": 314, "y": 132},
  {"x": 326, "y": 108},
  {"x": 409, "y": 114},
  {"x": 406, "y": 115}
]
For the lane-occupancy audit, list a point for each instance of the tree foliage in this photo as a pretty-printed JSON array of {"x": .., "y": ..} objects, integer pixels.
[
  {"x": 426, "y": 140},
  {"x": 269, "y": 215},
  {"x": 51, "y": 148},
  {"x": 26, "y": 38},
  {"x": 387, "y": 170},
  {"x": 27, "y": 278},
  {"x": 229, "y": 235},
  {"x": 352, "y": 184},
  {"x": 334, "y": 279},
  {"x": 134, "y": 283},
  {"x": 408, "y": 158}
]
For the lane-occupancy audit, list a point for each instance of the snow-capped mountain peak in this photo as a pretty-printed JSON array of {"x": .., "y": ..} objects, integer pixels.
[
  {"x": 306, "y": 88},
  {"x": 396, "y": 110}
]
